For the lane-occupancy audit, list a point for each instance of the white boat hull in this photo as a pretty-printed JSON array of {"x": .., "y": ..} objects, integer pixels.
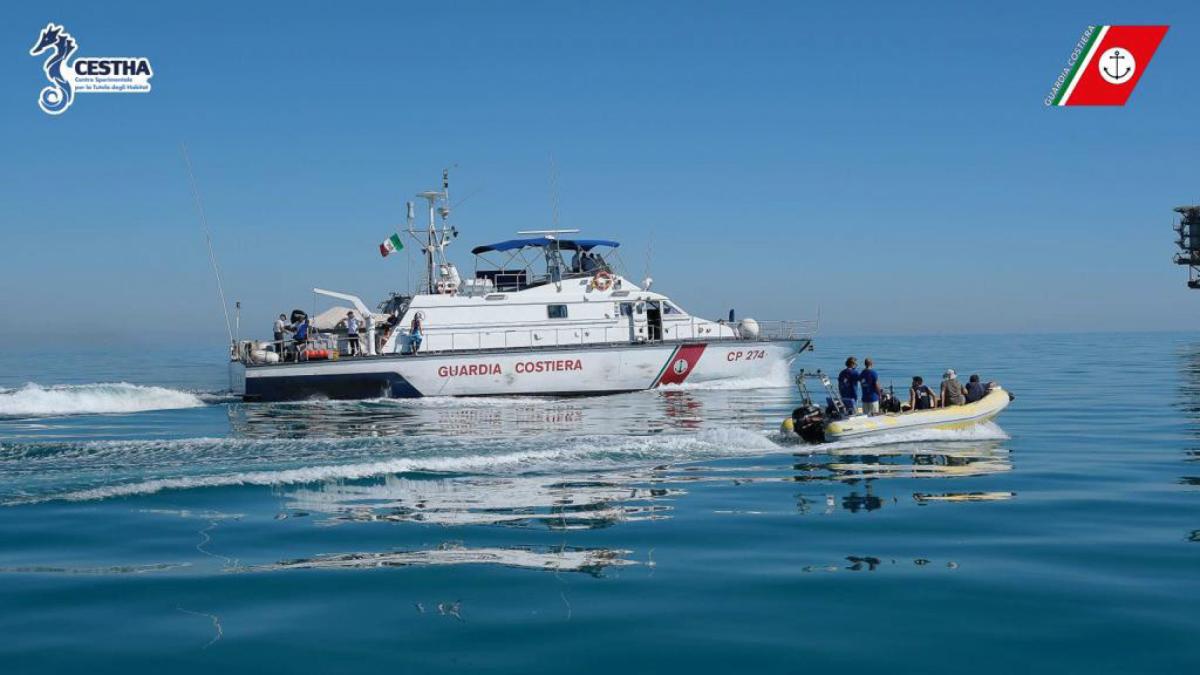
[{"x": 539, "y": 372}]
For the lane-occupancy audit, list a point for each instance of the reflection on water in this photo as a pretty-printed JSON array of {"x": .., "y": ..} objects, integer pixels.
[
  {"x": 1189, "y": 403},
  {"x": 517, "y": 501},
  {"x": 922, "y": 498},
  {"x": 906, "y": 460},
  {"x": 576, "y": 498},
  {"x": 870, "y": 563},
  {"x": 524, "y": 463},
  {"x": 114, "y": 569},
  {"x": 597, "y": 499},
  {"x": 553, "y": 559},
  {"x": 636, "y": 413}
]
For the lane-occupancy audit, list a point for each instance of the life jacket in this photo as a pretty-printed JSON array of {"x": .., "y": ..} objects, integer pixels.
[{"x": 302, "y": 331}]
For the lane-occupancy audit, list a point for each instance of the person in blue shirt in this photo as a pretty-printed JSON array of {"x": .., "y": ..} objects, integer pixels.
[
  {"x": 300, "y": 336},
  {"x": 415, "y": 335},
  {"x": 848, "y": 384},
  {"x": 868, "y": 379}
]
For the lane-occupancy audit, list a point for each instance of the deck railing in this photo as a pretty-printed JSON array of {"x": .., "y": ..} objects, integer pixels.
[
  {"x": 449, "y": 340},
  {"x": 491, "y": 339}
]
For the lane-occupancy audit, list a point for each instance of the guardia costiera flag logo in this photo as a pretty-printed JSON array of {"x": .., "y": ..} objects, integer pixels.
[{"x": 1106, "y": 64}]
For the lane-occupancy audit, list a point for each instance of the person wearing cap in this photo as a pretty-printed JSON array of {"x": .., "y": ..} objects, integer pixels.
[
  {"x": 848, "y": 384},
  {"x": 976, "y": 390},
  {"x": 952, "y": 390},
  {"x": 868, "y": 379},
  {"x": 351, "y": 334}
]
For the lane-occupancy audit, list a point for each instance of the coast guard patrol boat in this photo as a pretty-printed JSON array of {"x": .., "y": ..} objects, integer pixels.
[{"x": 544, "y": 314}]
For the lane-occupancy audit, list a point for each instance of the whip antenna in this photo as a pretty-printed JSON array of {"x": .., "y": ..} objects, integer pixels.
[
  {"x": 553, "y": 192},
  {"x": 212, "y": 258}
]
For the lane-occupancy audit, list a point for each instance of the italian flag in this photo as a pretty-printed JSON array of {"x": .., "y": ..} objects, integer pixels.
[
  {"x": 1106, "y": 65},
  {"x": 390, "y": 245}
]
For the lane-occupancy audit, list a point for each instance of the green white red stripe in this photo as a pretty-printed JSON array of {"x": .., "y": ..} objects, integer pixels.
[
  {"x": 1106, "y": 65},
  {"x": 390, "y": 244},
  {"x": 680, "y": 364}
]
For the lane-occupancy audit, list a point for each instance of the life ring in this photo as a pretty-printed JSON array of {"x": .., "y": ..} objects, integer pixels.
[{"x": 603, "y": 280}]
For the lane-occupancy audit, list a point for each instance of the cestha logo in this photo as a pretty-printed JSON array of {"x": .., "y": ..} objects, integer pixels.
[{"x": 106, "y": 74}]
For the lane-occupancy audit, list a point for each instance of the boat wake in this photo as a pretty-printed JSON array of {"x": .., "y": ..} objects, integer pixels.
[
  {"x": 35, "y": 400},
  {"x": 97, "y": 470}
]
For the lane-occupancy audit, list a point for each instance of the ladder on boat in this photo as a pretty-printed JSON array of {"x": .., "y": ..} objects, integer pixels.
[{"x": 835, "y": 398}]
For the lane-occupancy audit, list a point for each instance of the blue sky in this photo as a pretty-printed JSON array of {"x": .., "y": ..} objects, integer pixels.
[{"x": 892, "y": 164}]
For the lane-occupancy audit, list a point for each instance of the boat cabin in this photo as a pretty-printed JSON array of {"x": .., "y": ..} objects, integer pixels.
[{"x": 544, "y": 291}]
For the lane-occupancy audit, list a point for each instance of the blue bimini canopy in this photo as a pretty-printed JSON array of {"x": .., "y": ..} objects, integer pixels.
[{"x": 564, "y": 244}]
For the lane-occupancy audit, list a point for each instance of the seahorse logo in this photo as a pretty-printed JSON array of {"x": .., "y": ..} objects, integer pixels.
[{"x": 56, "y": 98}]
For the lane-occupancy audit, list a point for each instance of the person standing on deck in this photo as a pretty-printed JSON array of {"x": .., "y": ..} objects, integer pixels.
[
  {"x": 351, "y": 334},
  {"x": 414, "y": 335},
  {"x": 301, "y": 336},
  {"x": 848, "y": 384},
  {"x": 869, "y": 380},
  {"x": 280, "y": 328}
]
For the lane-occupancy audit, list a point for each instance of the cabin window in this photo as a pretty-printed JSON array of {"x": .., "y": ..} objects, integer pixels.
[
  {"x": 556, "y": 311},
  {"x": 626, "y": 309},
  {"x": 668, "y": 308}
]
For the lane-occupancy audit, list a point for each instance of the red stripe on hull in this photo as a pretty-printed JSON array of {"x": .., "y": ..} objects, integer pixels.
[
  {"x": 683, "y": 362},
  {"x": 1140, "y": 42}
]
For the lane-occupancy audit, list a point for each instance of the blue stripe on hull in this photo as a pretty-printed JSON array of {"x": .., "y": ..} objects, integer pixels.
[{"x": 349, "y": 386}]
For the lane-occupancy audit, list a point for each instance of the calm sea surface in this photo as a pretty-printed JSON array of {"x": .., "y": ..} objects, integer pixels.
[{"x": 150, "y": 522}]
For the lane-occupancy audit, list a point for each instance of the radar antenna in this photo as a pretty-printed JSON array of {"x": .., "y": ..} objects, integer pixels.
[{"x": 440, "y": 275}]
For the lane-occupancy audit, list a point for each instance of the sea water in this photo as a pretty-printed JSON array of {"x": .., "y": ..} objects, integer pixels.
[{"x": 149, "y": 521}]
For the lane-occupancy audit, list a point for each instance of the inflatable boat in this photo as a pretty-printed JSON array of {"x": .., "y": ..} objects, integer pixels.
[{"x": 835, "y": 423}]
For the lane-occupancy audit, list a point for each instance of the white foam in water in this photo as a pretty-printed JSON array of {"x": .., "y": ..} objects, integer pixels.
[
  {"x": 34, "y": 400},
  {"x": 525, "y": 455}
]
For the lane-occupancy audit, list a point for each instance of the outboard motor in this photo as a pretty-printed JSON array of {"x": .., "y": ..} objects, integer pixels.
[
  {"x": 889, "y": 403},
  {"x": 808, "y": 421}
]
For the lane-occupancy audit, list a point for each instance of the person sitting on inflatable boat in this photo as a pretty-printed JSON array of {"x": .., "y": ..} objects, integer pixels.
[
  {"x": 976, "y": 390},
  {"x": 920, "y": 396},
  {"x": 952, "y": 390}
]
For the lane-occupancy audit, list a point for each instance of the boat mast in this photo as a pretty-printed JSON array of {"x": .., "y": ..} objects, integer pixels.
[{"x": 436, "y": 239}]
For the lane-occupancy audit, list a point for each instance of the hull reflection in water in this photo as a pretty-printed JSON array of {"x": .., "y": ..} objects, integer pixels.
[
  {"x": 906, "y": 460},
  {"x": 488, "y": 417},
  {"x": 598, "y": 499},
  {"x": 557, "y": 503},
  {"x": 554, "y": 559}
]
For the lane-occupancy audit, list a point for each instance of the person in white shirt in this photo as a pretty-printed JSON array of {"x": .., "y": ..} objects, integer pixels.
[
  {"x": 281, "y": 326},
  {"x": 352, "y": 347}
]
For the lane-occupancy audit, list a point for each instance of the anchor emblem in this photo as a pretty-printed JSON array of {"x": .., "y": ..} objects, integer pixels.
[
  {"x": 1117, "y": 65},
  {"x": 681, "y": 366}
]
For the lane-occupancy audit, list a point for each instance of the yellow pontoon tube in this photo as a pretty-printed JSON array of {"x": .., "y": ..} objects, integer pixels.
[
  {"x": 834, "y": 422},
  {"x": 953, "y": 417}
]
